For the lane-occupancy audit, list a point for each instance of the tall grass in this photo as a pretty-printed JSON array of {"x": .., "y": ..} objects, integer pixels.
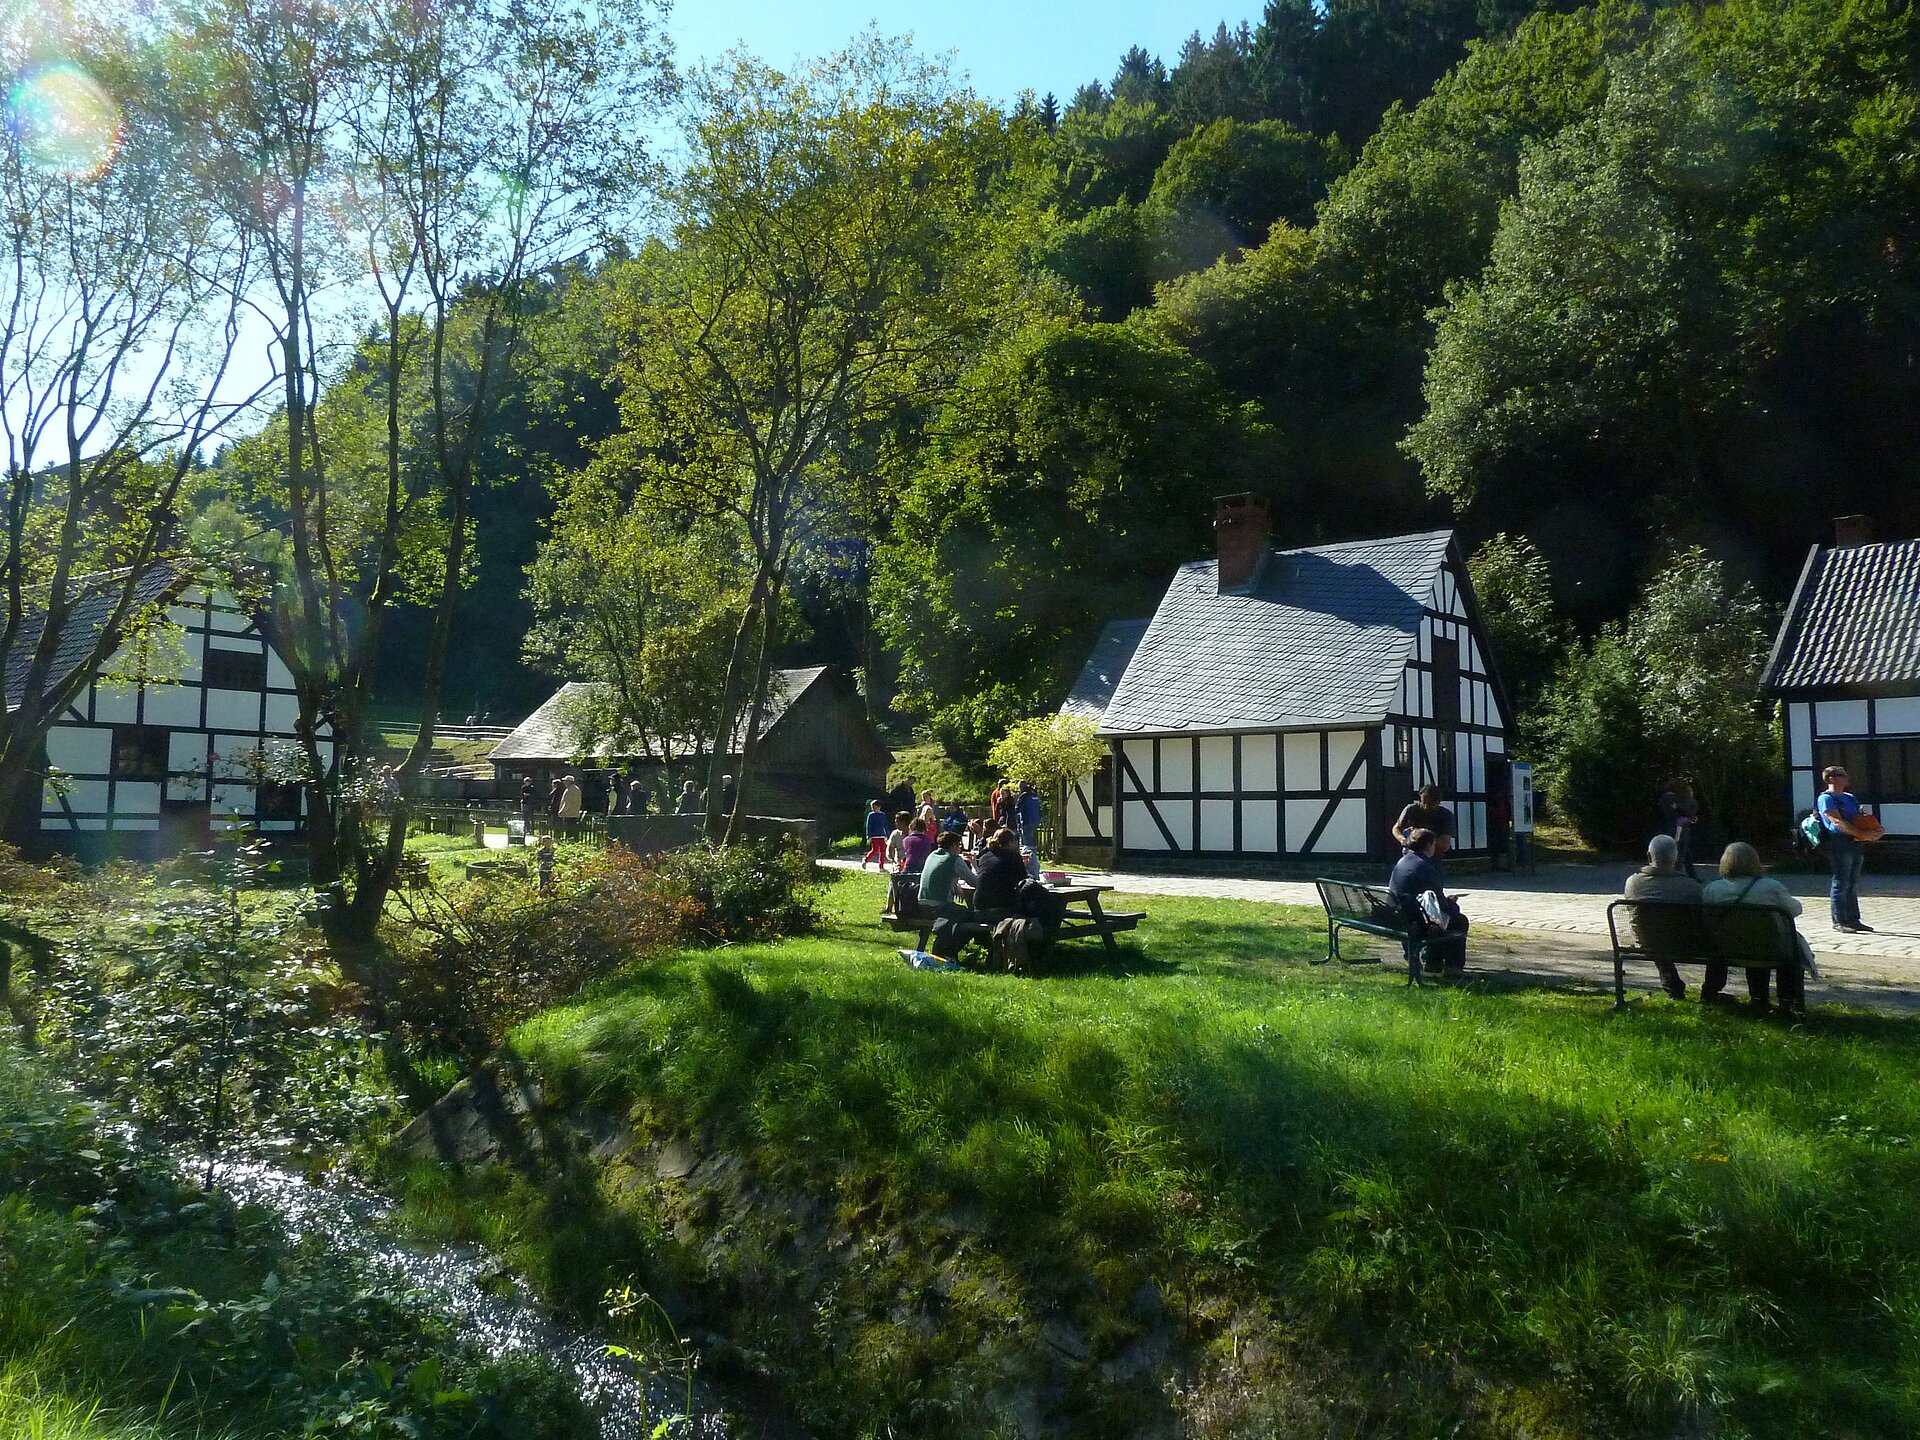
[{"x": 1507, "y": 1211}]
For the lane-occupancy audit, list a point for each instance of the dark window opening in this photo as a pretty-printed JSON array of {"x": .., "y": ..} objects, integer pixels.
[
  {"x": 279, "y": 801},
  {"x": 1103, "y": 783},
  {"x": 1446, "y": 682},
  {"x": 234, "y": 669},
  {"x": 1880, "y": 772},
  {"x": 1403, "y": 747},
  {"x": 140, "y": 752}
]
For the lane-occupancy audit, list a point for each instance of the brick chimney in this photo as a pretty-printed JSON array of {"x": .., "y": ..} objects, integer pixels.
[
  {"x": 1851, "y": 530},
  {"x": 1241, "y": 530}
]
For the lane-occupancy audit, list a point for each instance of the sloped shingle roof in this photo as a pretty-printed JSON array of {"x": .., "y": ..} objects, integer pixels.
[
  {"x": 1100, "y": 676},
  {"x": 1319, "y": 639},
  {"x": 543, "y": 734},
  {"x": 93, "y": 604},
  {"x": 1855, "y": 620}
]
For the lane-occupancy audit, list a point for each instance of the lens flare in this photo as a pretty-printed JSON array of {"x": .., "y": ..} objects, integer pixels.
[{"x": 64, "y": 122}]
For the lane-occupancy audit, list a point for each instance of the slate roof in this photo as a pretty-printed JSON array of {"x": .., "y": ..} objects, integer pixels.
[
  {"x": 1854, "y": 621},
  {"x": 1100, "y": 676},
  {"x": 93, "y": 603},
  {"x": 1319, "y": 639},
  {"x": 541, "y": 736}
]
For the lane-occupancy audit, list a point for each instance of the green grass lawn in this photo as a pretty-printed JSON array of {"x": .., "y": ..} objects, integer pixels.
[{"x": 1346, "y": 1206}]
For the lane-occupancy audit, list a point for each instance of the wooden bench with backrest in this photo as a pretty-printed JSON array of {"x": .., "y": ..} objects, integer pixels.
[
  {"x": 1747, "y": 937},
  {"x": 1372, "y": 910}
]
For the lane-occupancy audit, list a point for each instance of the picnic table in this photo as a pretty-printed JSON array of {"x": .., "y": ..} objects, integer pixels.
[
  {"x": 1076, "y": 924},
  {"x": 1093, "y": 920}
]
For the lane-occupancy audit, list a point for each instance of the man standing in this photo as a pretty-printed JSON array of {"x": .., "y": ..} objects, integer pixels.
[
  {"x": 638, "y": 796},
  {"x": 1848, "y": 832},
  {"x": 1662, "y": 879},
  {"x": 1029, "y": 810},
  {"x": 1426, "y": 813}
]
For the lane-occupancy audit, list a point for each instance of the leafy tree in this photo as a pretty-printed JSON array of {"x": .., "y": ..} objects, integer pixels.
[
  {"x": 644, "y": 608},
  {"x": 1104, "y": 257},
  {"x": 825, "y": 267},
  {"x": 436, "y": 157},
  {"x": 1110, "y": 154},
  {"x": 121, "y": 300},
  {"x": 1050, "y": 752},
  {"x": 1065, "y": 479},
  {"x": 1674, "y": 691},
  {"x": 1221, "y": 189},
  {"x": 1514, "y": 588}
]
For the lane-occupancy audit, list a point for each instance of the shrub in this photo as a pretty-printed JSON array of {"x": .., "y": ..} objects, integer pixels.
[
  {"x": 759, "y": 890},
  {"x": 483, "y": 955},
  {"x": 188, "y": 1005}
]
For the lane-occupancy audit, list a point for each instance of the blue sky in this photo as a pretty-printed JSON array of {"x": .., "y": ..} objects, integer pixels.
[{"x": 1004, "y": 45}]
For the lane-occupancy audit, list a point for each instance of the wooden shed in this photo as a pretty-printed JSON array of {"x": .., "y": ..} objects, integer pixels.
[{"x": 820, "y": 758}]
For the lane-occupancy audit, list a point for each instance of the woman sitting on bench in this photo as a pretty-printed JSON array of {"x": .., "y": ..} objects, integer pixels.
[
  {"x": 1416, "y": 875},
  {"x": 1744, "y": 881}
]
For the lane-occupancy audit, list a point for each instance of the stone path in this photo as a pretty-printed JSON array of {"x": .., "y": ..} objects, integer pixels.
[{"x": 1551, "y": 927}]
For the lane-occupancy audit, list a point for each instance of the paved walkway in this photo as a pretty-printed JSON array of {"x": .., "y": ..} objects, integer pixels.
[{"x": 1552, "y": 926}]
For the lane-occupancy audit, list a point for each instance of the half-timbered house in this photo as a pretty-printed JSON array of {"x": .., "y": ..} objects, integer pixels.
[
  {"x": 1845, "y": 669},
  {"x": 1285, "y": 704},
  {"x": 148, "y": 768}
]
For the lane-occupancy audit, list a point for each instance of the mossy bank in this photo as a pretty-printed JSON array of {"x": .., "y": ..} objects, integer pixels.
[{"x": 1213, "y": 1190}]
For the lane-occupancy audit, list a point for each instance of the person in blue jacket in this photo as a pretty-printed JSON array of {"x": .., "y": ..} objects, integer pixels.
[
  {"x": 1845, "y": 841},
  {"x": 1028, "y": 809}
]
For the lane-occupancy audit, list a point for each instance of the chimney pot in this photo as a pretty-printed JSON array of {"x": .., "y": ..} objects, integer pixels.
[
  {"x": 1851, "y": 530},
  {"x": 1242, "y": 528}
]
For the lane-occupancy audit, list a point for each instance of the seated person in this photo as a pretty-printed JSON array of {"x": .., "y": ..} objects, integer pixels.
[
  {"x": 1426, "y": 813},
  {"x": 999, "y": 876},
  {"x": 1744, "y": 881},
  {"x": 939, "y": 897},
  {"x": 955, "y": 819},
  {"x": 915, "y": 849},
  {"x": 946, "y": 869},
  {"x": 1662, "y": 879},
  {"x": 1417, "y": 872}
]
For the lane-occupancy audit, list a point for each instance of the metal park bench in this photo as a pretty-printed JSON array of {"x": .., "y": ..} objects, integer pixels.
[
  {"x": 1748, "y": 937},
  {"x": 1371, "y": 910}
]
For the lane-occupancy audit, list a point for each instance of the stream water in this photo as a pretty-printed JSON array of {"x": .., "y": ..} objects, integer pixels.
[{"x": 462, "y": 1282}]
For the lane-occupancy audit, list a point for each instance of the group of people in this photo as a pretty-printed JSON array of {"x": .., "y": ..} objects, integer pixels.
[
  {"x": 566, "y": 800},
  {"x": 1418, "y": 886},
  {"x": 888, "y": 837},
  {"x": 960, "y": 870},
  {"x": 1843, "y": 829}
]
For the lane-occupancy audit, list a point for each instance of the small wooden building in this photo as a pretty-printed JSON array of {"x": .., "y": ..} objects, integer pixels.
[
  {"x": 143, "y": 770},
  {"x": 1845, "y": 669},
  {"x": 1285, "y": 704},
  {"x": 820, "y": 758}
]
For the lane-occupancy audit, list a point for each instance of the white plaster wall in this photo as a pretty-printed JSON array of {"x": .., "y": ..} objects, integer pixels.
[
  {"x": 1300, "y": 755},
  {"x": 1216, "y": 824},
  {"x": 1216, "y": 762},
  {"x": 1260, "y": 826},
  {"x": 233, "y": 709},
  {"x": 80, "y": 751},
  {"x": 1141, "y": 832},
  {"x": 1840, "y": 717},
  {"x": 1258, "y": 763},
  {"x": 1176, "y": 766}
]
